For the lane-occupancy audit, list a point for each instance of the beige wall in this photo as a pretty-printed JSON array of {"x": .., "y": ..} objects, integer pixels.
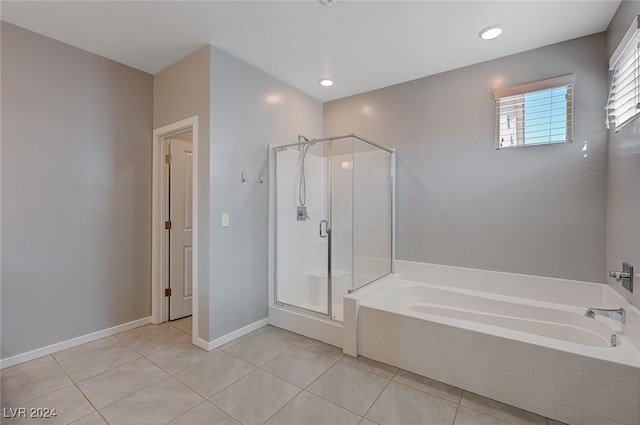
[
  {"x": 181, "y": 91},
  {"x": 536, "y": 210},
  {"x": 76, "y": 199},
  {"x": 249, "y": 110},
  {"x": 241, "y": 110},
  {"x": 623, "y": 176}
]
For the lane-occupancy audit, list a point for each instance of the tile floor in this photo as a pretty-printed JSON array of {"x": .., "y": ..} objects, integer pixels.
[{"x": 153, "y": 375}]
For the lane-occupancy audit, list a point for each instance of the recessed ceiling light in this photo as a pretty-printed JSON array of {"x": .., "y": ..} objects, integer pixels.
[
  {"x": 489, "y": 33},
  {"x": 326, "y": 83}
]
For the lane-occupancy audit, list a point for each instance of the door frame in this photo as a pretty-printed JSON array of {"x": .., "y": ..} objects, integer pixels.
[{"x": 159, "y": 236}]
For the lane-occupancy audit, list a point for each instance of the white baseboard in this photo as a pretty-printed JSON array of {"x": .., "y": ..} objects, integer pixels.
[
  {"x": 54, "y": 348},
  {"x": 199, "y": 342},
  {"x": 210, "y": 345}
]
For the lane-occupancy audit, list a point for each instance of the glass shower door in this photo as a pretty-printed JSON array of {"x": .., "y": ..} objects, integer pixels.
[
  {"x": 371, "y": 213},
  {"x": 341, "y": 206},
  {"x": 361, "y": 216},
  {"x": 334, "y": 221},
  {"x": 302, "y": 227}
]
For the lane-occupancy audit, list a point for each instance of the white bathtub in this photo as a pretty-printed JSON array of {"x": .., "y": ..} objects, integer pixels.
[{"x": 521, "y": 340}]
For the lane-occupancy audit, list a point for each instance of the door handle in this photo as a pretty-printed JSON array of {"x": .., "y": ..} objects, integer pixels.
[{"x": 326, "y": 225}]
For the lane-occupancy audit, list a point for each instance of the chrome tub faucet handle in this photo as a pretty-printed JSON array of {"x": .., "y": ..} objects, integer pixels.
[
  {"x": 613, "y": 313},
  {"x": 618, "y": 276}
]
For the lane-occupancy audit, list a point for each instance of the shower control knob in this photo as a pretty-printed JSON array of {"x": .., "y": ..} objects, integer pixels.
[
  {"x": 618, "y": 276},
  {"x": 625, "y": 276},
  {"x": 302, "y": 214}
]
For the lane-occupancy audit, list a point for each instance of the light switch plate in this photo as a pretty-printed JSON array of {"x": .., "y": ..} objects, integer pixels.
[{"x": 225, "y": 220}]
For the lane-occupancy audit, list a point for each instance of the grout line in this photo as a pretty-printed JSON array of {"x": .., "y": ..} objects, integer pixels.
[
  {"x": 185, "y": 368},
  {"x": 276, "y": 357},
  {"x": 181, "y": 330},
  {"x": 335, "y": 404},
  {"x": 45, "y": 394},
  {"x": 226, "y": 350},
  {"x": 321, "y": 354},
  {"x": 81, "y": 392},
  {"x": 147, "y": 334},
  {"x": 217, "y": 392},
  {"x": 357, "y": 366},
  {"x": 101, "y": 372},
  {"x": 242, "y": 339},
  {"x": 149, "y": 326},
  {"x": 189, "y": 410},
  {"x": 428, "y": 393},
  {"x": 4, "y": 371},
  {"x": 96, "y": 411},
  {"x": 285, "y": 405},
  {"x": 329, "y": 401},
  {"x": 106, "y": 370},
  {"x": 122, "y": 398},
  {"x": 303, "y": 388},
  {"x": 319, "y": 376},
  {"x": 500, "y": 408},
  {"x": 378, "y": 397},
  {"x": 281, "y": 378},
  {"x": 455, "y": 415},
  {"x": 205, "y": 401},
  {"x": 224, "y": 411}
]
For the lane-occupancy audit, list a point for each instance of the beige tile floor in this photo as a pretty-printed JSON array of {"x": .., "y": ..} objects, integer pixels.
[{"x": 153, "y": 375}]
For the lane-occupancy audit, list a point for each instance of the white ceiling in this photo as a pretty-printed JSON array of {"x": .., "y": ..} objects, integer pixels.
[{"x": 361, "y": 45}]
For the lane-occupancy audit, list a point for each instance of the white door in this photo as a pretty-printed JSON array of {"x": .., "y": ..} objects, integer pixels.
[{"x": 180, "y": 235}]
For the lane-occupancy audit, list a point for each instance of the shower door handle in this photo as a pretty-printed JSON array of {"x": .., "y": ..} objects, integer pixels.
[{"x": 326, "y": 225}]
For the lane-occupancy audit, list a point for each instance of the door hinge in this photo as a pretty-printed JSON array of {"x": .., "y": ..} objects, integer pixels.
[
  {"x": 167, "y": 292},
  {"x": 167, "y": 159},
  {"x": 167, "y": 225}
]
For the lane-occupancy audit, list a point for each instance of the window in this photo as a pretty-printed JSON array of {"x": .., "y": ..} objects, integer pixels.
[
  {"x": 535, "y": 113},
  {"x": 624, "y": 96}
]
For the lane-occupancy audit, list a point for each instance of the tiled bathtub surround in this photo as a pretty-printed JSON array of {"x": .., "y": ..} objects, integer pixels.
[
  {"x": 572, "y": 388},
  {"x": 568, "y": 387}
]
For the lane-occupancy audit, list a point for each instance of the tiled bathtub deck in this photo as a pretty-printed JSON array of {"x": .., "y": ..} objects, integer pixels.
[{"x": 153, "y": 375}]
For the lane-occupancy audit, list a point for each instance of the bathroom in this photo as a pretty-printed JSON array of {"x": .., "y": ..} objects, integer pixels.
[{"x": 562, "y": 211}]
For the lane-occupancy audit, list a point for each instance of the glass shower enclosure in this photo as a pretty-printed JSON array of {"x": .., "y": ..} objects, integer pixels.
[{"x": 334, "y": 206}]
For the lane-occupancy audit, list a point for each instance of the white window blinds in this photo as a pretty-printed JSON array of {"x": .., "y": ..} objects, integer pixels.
[
  {"x": 623, "y": 104},
  {"x": 535, "y": 113}
]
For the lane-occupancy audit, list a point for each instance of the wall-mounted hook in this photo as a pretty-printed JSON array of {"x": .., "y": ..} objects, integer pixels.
[
  {"x": 261, "y": 178},
  {"x": 244, "y": 177}
]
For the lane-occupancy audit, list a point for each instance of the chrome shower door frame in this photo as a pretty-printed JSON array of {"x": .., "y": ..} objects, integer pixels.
[{"x": 329, "y": 218}]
